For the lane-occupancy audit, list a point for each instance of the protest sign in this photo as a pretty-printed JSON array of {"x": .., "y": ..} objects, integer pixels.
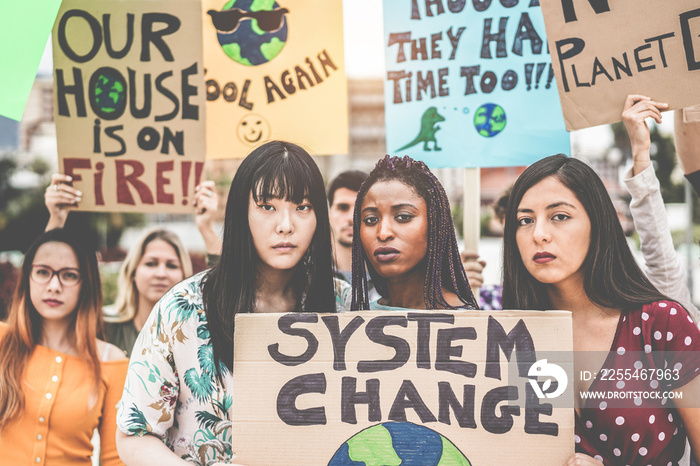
[
  {"x": 129, "y": 100},
  {"x": 24, "y": 29},
  {"x": 382, "y": 387},
  {"x": 687, "y": 138},
  {"x": 274, "y": 70},
  {"x": 469, "y": 84},
  {"x": 604, "y": 50}
]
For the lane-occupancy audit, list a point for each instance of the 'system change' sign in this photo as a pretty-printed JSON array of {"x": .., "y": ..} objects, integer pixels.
[
  {"x": 129, "y": 100},
  {"x": 384, "y": 387},
  {"x": 603, "y": 50}
]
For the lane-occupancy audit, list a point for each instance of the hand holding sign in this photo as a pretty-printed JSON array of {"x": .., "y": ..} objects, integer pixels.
[
  {"x": 59, "y": 197},
  {"x": 206, "y": 207},
  {"x": 636, "y": 110},
  {"x": 473, "y": 267}
]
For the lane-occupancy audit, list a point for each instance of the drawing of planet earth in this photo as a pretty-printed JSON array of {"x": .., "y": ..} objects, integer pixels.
[
  {"x": 398, "y": 443},
  {"x": 248, "y": 44},
  {"x": 489, "y": 120},
  {"x": 109, "y": 93}
]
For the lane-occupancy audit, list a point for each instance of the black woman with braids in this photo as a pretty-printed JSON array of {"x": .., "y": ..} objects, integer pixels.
[{"x": 406, "y": 241}]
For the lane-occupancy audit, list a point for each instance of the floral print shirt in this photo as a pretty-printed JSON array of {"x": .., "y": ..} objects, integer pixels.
[{"x": 171, "y": 389}]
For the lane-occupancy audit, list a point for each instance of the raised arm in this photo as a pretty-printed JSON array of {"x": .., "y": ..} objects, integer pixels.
[
  {"x": 59, "y": 197},
  {"x": 206, "y": 205},
  {"x": 664, "y": 268},
  {"x": 636, "y": 110}
]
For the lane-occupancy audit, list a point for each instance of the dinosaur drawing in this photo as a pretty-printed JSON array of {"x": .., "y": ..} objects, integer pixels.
[{"x": 428, "y": 128}]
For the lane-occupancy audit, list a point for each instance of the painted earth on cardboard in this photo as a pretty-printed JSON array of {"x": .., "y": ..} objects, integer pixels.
[
  {"x": 398, "y": 443},
  {"x": 249, "y": 43}
]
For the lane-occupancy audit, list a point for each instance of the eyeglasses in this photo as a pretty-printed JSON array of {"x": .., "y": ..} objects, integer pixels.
[
  {"x": 68, "y": 276},
  {"x": 228, "y": 20}
]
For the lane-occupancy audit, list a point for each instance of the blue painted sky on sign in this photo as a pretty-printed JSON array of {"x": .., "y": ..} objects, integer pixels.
[{"x": 456, "y": 104}]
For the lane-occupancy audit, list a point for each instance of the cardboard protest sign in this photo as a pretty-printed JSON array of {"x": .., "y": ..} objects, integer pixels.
[
  {"x": 469, "y": 84},
  {"x": 382, "y": 387},
  {"x": 604, "y": 50},
  {"x": 129, "y": 100},
  {"x": 274, "y": 70},
  {"x": 687, "y": 137},
  {"x": 24, "y": 29}
]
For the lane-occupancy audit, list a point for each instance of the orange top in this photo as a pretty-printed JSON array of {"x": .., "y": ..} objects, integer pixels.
[{"x": 59, "y": 418}]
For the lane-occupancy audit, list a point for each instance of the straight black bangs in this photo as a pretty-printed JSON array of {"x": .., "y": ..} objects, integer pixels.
[{"x": 285, "y": 178}]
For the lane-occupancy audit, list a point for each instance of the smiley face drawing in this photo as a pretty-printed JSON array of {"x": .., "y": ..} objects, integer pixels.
[{"x": 253, "y": 129}]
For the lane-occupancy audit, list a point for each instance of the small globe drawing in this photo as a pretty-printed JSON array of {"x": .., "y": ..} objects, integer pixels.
[
  {"x": 109, "y": 93},
  {"x": 489, "y": 120},
  {"x": 398, "y": 443},
  {"x": 248, "y": 44}
]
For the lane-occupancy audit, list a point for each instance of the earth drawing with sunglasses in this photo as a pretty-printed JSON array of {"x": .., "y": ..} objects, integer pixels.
[{"x": 251, "y": 37}]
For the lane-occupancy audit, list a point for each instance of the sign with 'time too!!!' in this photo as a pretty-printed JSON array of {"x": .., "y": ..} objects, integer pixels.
[
  {"x": 397, "y": 387},
  {"x": 604, "y": 50},
  {"x": 470, "y": 84},
  {"x": 129, "y": 100}
]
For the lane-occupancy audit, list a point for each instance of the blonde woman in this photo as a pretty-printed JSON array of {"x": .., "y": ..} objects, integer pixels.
[{"x": 155, "y": 263}]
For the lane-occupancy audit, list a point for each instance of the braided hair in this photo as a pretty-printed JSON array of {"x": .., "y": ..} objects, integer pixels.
[{"x": 443, "y": 262}]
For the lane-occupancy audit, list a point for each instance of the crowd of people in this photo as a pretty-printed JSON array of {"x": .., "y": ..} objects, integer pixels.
[{"x": 384, "y": 241}]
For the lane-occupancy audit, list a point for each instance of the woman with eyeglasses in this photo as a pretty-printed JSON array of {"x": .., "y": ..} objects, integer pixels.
[
  {"x": 58, "y": 380},
  {"x": 154, "y": 263}
]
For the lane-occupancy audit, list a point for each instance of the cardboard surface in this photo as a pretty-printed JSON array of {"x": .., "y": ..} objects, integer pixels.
[
  {"x": 686, "y": 124},
  {"x": 129, "y": 102},
  {"x": 24, "y": 29},
  {"x": 605, "y": 50},
  {"x": 300, "y": 398},
  {"x": 691, "y": 114},
  {"x": 287, "y": 82},
  {"x": 469, "y": 84}
]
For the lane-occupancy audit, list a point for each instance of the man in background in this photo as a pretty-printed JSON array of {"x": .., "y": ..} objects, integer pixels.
[{"x": 342, "y": 193}]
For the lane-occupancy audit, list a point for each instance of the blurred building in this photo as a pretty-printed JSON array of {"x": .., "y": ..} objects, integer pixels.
[
  {"x": 9, "y": 135},
  {"x": 35, "y": 135},
  {"x": 37, "y": 129}
]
